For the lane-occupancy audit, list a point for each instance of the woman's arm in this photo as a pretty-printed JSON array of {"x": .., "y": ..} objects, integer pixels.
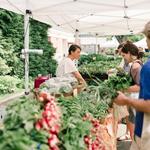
[{"x": 133, "y": 88}]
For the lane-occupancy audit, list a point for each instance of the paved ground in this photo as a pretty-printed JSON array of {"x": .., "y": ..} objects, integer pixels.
[
  {"x": 6, "y": 99},
  {"x": 122, "y": 145}
]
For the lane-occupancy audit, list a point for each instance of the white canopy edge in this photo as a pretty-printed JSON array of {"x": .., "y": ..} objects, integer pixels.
[{"x": 111, "y": 17}]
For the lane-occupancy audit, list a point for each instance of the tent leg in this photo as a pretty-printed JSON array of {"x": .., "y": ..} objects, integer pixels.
[
  {"x": 96, "y": 50},
  {"x": 77, "y": 37},
  {"x": 26, "y": 49}
]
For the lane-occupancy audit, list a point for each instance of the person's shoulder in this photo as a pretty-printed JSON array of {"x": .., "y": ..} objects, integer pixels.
[
  {"x": 65, "y": 59},
  {"x": 137, "y": 65}
]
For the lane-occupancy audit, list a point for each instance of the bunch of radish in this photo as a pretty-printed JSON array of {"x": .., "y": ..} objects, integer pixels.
[
  {"x": 50, "y": 120},
  {"x": 94, "y": 141}
]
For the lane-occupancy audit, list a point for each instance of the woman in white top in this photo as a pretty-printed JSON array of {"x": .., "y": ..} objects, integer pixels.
[{"x": 67, "y": 66}]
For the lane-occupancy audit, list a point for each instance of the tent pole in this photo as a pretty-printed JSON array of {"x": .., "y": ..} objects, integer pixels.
[
  {"x": 77, "y": 42},
  {"x": 26, "y": 49},
  {"x": 96, "y": 36},
  {"x": 77, "y": 37}
]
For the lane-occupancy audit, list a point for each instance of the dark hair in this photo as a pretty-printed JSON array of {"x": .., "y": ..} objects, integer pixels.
[
  {"x": 116, "y": 51},
  {"x": 129, "y": 47},
  {"x": 120, "y": 45},
  {"x": 141, "y": 54},
  {"x": 73, "y": 48}
]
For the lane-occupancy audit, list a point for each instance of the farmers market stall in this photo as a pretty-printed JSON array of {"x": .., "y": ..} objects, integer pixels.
[{"x": 56, "y": 121}]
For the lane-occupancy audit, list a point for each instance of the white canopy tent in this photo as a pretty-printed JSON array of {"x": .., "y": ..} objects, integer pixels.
[
  {"x": 110, "y": 17},
  {"x": 98, "y": 17}
]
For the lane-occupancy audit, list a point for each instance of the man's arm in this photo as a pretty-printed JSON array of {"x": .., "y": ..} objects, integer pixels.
[{"x": 139, "y": 105}]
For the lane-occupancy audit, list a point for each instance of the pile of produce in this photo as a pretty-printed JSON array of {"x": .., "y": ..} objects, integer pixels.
[
  {"x": 31, "y": 124},
  {"x": 99, "y": 139},
  {"x": 65, "y": 123},
  {"x": 19, "y": 132},
  {"x": 50, "y": 120},
  {"x": 58, "y": 85},
  {"x": 95, "y": 66},
  {"x": 86, "y": 59},
  {"x": 94, "y": 102},
  {"x": 106, "y": 91},
  {"x": 73, "y": 127}
]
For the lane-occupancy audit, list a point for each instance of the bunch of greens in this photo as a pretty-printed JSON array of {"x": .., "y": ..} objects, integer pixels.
[
  {"x": 106, "y": 91},
  {"x": 98, "y": 69},
  {"x": 73, "y": 128},
  {"x": 19, "y": 132},
  {"x": 86, "y": 59}
]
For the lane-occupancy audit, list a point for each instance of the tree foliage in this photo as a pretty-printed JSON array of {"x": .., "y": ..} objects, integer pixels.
[
  {"x": 41, "y": 64},
  {"x": 133, "y": 38},
  {"x": 8, "y": 58},
  {"x": 12, "y": 28}
]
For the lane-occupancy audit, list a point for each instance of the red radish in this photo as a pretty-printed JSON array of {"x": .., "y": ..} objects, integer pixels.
[
  {"x": 55, "y": 129},
  {"x": 48, "y": 98},
  {"x": 53, "y": 140},
  {"x": 54, "y": 148},
  {"x": 87, "y": 139},
  {"x": 44, "y": 95},
  {"x": 50, "y": 119},
  {"x": 38, "y": 126},
  {"x": 41, "y": 99},
  {"x": 45, "y": 125}
]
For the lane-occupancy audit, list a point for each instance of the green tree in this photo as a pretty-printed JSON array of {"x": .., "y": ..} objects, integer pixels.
[
  {"x": 8, "y": 58},
  {"x": 4, "y": 68},
  {"x": 133, "y": 38},
  {"x": 41, "y": 64},
  {"x": 5, "y": 16},
  {"x": 12, "y": 28}
]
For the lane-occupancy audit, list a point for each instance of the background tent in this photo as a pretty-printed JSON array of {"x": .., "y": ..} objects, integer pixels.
[
  {"x": 142, "y": 43},
  {"x": 103, "y": 42}
]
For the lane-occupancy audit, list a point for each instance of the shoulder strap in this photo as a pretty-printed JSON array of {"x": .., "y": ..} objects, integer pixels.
[{"x": 136, "y": 61}]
